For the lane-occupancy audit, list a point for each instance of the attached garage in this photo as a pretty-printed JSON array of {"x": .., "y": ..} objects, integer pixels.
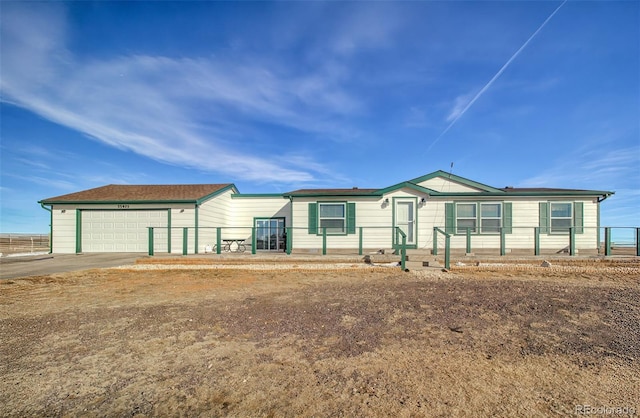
[
  {"x": 118, "y": 218},
  {"x": 122, "y": 231}
]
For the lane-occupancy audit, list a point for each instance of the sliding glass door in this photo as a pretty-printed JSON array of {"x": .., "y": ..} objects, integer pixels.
[{"x": 270, "y": 234}]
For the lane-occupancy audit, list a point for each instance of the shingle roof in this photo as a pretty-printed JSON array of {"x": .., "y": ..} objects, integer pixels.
[
  {"x": 141, "y": 193},
  {"x": 539, "y": 190},
  {"x": 331, "y": 192}
]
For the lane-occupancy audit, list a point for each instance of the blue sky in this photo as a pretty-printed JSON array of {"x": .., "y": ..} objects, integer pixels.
[{"x": 279, "y": 96}]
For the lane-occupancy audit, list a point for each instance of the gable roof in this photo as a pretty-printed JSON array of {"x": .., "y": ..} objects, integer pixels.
[
  {"x": 177, "y": 193},
  {"x": 455, "y": 178}
]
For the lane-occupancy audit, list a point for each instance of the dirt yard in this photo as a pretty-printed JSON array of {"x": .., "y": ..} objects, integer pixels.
[{"x": 303, "y": 342}]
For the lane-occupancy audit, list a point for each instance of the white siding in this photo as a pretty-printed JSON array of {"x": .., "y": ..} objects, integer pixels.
[
  {"x": 64, "y": 229},
  {"x": 443, "y": 184},
  {"x": 212, "y": 214},
  {"x": 183, "y": 216}
]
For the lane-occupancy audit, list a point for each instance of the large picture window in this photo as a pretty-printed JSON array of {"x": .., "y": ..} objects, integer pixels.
[
  {"x": 333, "y": 217},
  {"x": 485, "y": 216}
]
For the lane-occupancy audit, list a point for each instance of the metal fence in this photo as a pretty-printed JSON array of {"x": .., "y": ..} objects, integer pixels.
[{"x": 605, "y": 241}]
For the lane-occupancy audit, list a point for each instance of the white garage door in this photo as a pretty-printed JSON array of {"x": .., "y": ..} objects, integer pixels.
[{"x": 120, "y": 231}]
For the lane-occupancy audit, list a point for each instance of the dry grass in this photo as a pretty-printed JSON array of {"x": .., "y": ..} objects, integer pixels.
[{"x": 325, "y": 343}]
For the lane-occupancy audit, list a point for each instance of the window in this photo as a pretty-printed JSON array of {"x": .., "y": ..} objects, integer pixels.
[
  {"x": 466, "y": 217},
  {"x": 490, "y": 218},
  {"x": 336, "y": 217},
  {"x": 333, "y": 217},
  {"x": 561, "y": 216},
  {"x": 483, "y": 218}
]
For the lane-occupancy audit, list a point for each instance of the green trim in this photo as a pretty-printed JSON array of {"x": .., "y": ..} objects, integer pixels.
[
  {"x": 217, "y": 192},
  {"x": 351, "y": 218},
  {"x": 312, "y": 225},
  {"x": 78, "y": 231},
  {"x": 578, "y": 217},
  {"x": 408, "y": 185},
  {"x": 457, "y": 179},
  {"x": 394, "y": 200},
  {"x": 543, "y": 217},
  {"x": 450, "y": 217},
  {"x": 507, "y": 217}
]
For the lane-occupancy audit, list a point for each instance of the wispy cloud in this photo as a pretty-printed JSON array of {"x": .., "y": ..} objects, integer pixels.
[
  {"x": 462, "y": 104},
  {"x": 158, "y": 106}
]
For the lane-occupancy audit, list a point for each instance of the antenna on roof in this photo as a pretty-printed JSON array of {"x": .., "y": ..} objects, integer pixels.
[{"x": 450, "y": 169}]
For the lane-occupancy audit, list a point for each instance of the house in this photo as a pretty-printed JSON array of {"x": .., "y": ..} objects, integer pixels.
[{"x": 196, "y": 218}]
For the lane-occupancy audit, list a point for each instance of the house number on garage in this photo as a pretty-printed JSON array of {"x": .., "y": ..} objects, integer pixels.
[{"x": 123, "y": 206}]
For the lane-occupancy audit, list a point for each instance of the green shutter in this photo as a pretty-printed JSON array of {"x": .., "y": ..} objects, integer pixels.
[
  {"x": 578, "y": 217},
  {"x": 544, "y": 218},
  {"x": 351, "y": 218},
  {"x": 313, "y": 218},
  {"x": 449, "y": 218},
  {"x": 507, "y": 218}
]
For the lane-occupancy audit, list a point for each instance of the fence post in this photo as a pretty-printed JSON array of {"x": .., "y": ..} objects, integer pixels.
[
  {"x": 360, "y": 241},
  {"x": 289, "y": 240},
  {"x": 185, "y": 240},
  {"x": 503, "y": 250},
  {"x": 403, "y": 253},
  {"x": 637, "y": 242},
  {"x": 447, "y": 251},
  {"x": 150, "y": 240},
  {"x": 468, "y": 240},
  {"x": 607, "y": 241},
  {"x": 324, "y": 240},
  {"x": 253, "y": 240},
  {"x": 572, "y": 240},
  {"x": 435, "y": 241},
  {"x": 218, "y": 240},
  {"x": 536, "y": 240}
]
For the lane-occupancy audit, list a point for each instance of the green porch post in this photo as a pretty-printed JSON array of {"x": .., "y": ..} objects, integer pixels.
[
  {"x": 253, "y": 240},
  {"x": 324, "y": 241},
  {"x": 185, "y": 241},
  {"x": 289, "y": 239},
  {"x": 435, "y": 241},
  {"x": 218, "y": 240},
  {"x": 607, "y": 241},
  {"x": 536, "y": 240},
  {"x": 572, "y": 241},
  {"x": 150, "y": 240},
  {"x": 637, "y": 242},
  {"x": 468, "y": 240},
  {"x": 503, "y": 250},
  {"x": 447, "y": 251},
  {"x": 403, "y": 253},
  {"x": 360, "y": 241}
]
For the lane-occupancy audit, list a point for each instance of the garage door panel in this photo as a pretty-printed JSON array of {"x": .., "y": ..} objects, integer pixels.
[{"x": 120, "y": 231}]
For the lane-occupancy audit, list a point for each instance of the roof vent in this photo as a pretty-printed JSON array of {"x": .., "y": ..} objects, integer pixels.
[
  {"x": 355, "y": 188},
  {"x": 509, "y": 187}
]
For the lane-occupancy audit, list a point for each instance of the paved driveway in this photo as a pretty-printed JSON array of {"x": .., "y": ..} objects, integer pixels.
[{"x": 12, "y": 267}]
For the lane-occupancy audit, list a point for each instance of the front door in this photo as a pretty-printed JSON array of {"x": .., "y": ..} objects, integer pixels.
[
  {"x": 405, "y": 219},
  {"x": 270, "y": 235}
]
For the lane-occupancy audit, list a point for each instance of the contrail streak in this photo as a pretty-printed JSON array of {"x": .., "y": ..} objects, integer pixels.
[{"x": 495, "y": 77}]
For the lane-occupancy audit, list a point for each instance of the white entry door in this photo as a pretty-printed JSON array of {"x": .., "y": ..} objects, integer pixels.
[{"x": 405, "y": 219}]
